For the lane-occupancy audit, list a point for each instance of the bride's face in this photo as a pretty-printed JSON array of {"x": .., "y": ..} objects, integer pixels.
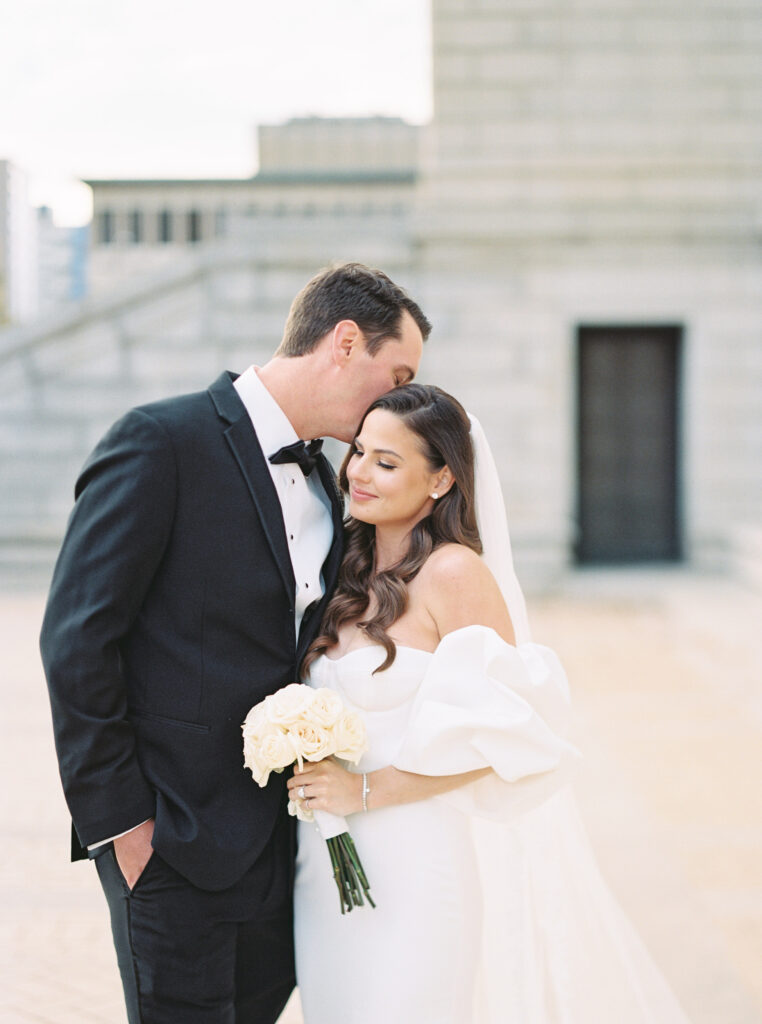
[{"x": 390, "y": 480}]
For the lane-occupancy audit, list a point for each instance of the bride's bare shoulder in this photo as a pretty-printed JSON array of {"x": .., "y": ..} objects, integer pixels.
[
  {"x": 453, "y": 562},
  {"x": 459, "y": 590}
]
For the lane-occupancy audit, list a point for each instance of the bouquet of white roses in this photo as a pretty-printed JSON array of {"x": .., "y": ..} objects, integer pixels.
[{"x": 297, "y": 724}]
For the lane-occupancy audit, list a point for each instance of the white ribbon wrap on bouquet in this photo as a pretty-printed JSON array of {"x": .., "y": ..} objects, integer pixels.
[{"x": 330, "y": 825}]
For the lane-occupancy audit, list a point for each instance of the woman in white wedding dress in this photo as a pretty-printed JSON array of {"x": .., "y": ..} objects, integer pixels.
[{"x": 489, "y": 906}]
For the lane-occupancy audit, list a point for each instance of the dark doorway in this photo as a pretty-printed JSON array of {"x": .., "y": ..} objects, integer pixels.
[{"x": 628, "y": 444}]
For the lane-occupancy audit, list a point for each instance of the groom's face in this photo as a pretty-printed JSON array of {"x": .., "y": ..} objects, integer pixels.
[{"x": 367, "y": 377}]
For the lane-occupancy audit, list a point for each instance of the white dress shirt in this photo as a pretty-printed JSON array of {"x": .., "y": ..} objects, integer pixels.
[{"x": 304, "y": 503}]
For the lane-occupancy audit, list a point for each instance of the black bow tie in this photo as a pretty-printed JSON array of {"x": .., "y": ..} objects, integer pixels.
[{"x": 305, "y": 454}]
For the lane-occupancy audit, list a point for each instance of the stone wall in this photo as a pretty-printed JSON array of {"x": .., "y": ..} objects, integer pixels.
[{"x": 617, "y": 119}]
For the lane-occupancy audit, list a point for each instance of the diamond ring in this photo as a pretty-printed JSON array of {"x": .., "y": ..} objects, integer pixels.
[{"x": 301, "y": 792}]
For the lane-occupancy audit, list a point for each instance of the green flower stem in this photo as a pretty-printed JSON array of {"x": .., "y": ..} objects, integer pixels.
[
  {"x": 351, "y": 850},
  {"x": 350, "y": 870},
  {"x": 336, "y": 873},
  {"x": 348, "y": 873},
  {"x": 342, "y": 881}
]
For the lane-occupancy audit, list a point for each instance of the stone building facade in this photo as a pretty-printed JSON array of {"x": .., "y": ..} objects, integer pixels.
[
  {"x": 581, "y": 224},
  {"x": 596, "y": 165}
]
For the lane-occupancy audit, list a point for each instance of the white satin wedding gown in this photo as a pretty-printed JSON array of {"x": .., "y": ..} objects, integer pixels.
[{"x": 490, "y": 908}]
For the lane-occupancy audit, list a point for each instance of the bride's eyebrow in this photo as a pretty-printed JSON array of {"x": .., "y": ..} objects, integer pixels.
[
  {"x": 388, "y": 451},
  {"x": 379, "y": 451}
]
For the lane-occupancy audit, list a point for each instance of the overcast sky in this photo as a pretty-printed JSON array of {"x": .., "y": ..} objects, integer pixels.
[{"x": 163, "y": 88}]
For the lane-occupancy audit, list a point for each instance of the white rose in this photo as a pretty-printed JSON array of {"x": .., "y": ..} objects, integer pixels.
[
  {"x": 349, "y": 737},
  {"x": 311, "y": 742},
  {"x": 277, "y": 751},
  {"x": 297, "y": 810},
  {"x": 256, "y": 725},
  {"x": 290, "y": 704},
  {"x": 327, "y": 707},
  {"x": 251, "y": 760}
]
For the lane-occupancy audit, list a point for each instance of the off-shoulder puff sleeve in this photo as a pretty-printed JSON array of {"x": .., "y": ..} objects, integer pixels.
[{"x": 486, "y": 704}]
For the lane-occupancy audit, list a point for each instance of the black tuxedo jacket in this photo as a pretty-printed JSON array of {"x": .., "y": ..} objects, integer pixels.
[{"x": 170, "y": 614}]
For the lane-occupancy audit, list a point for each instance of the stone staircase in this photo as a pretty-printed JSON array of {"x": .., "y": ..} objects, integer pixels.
[{"x": 65, "y": 379}]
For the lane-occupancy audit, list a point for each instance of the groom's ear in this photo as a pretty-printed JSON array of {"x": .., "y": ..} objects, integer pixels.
[{"x": 346, "y": 339}]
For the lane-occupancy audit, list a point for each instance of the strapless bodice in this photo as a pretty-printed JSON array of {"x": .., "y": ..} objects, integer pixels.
[
  {"x": 385, "y": 700},
  {"x": 352, "y": 676}
]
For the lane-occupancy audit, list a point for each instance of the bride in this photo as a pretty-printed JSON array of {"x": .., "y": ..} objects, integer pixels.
[{"x": 489, "y": 905}]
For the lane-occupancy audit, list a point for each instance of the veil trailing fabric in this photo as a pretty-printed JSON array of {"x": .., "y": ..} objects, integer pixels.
[{"x": 556, "y": 947}]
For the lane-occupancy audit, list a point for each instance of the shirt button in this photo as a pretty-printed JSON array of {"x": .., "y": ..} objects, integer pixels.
[
  {"x": 290, "y": 536},
  {"x": 292, "y": 480},
  {"x": 306, "y": 586}
]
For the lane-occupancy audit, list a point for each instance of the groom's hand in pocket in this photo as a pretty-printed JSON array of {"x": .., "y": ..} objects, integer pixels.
[{"x": 133, "y": 850}]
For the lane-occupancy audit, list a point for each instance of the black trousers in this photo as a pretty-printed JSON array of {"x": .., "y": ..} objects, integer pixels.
[{"x": 188, "y": 956}]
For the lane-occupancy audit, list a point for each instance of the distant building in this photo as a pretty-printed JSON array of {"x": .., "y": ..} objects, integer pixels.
[
  {"x": 334, "y": 168},
  {"x": 18, "y": 247},
  {"x": 61, "y": 262}
]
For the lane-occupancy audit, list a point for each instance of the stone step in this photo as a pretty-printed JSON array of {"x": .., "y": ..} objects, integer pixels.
[{"x": 26, "y": 564}]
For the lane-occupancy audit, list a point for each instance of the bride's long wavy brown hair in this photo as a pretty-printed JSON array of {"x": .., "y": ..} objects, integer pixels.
[{"x": 443, "y": 430}]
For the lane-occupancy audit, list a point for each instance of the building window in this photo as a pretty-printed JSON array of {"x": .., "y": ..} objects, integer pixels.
[
  {"x": 165, "y": 226},
  {"x": 194, "y": 226},
  {"x": 135, "y": 226},
  {"x": 105, "y": 227}
]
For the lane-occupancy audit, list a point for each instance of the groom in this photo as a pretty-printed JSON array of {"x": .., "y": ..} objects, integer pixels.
[{"x": 202, "y": 548}]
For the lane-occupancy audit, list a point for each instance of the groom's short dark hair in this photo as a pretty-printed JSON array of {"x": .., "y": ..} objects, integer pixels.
[{"x": 350, "y": 291}]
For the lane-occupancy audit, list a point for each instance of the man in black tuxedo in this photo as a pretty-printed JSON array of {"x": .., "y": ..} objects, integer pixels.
[{"x": 203, "y": 545}]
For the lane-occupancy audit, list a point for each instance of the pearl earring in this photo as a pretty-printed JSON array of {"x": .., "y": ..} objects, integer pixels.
[{"x": 435, "y": 495}]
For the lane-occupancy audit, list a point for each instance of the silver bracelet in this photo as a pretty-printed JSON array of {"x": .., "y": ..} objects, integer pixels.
[{"x": 365, "y": 791}]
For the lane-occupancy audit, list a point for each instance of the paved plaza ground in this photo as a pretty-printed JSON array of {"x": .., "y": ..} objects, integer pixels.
[{"x": 667, "y": 678}]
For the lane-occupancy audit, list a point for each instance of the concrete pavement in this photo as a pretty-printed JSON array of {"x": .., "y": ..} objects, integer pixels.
[{"x": 667, "y": 678}]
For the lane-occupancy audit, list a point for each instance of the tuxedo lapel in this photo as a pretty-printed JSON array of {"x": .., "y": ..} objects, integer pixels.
[
  {"x": 328, "y": 479},
  {"x": 242, "y": 438},
  {"x": 330, "y": 569}
]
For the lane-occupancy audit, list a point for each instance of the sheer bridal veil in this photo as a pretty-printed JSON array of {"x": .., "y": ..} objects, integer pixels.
[{"x": 493, "y": 529}]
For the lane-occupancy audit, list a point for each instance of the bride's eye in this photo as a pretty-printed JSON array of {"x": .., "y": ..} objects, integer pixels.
[{"x": 385, "y": 465}]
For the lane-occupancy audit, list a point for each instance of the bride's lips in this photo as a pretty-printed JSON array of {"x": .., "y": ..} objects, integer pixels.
[{"x": 357, "y": 495}]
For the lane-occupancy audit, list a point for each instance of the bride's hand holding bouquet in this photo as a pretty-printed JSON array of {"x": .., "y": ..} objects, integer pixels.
[
  {"x": 325, "y": 786},
  {"x": 304, "y": 726}
]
